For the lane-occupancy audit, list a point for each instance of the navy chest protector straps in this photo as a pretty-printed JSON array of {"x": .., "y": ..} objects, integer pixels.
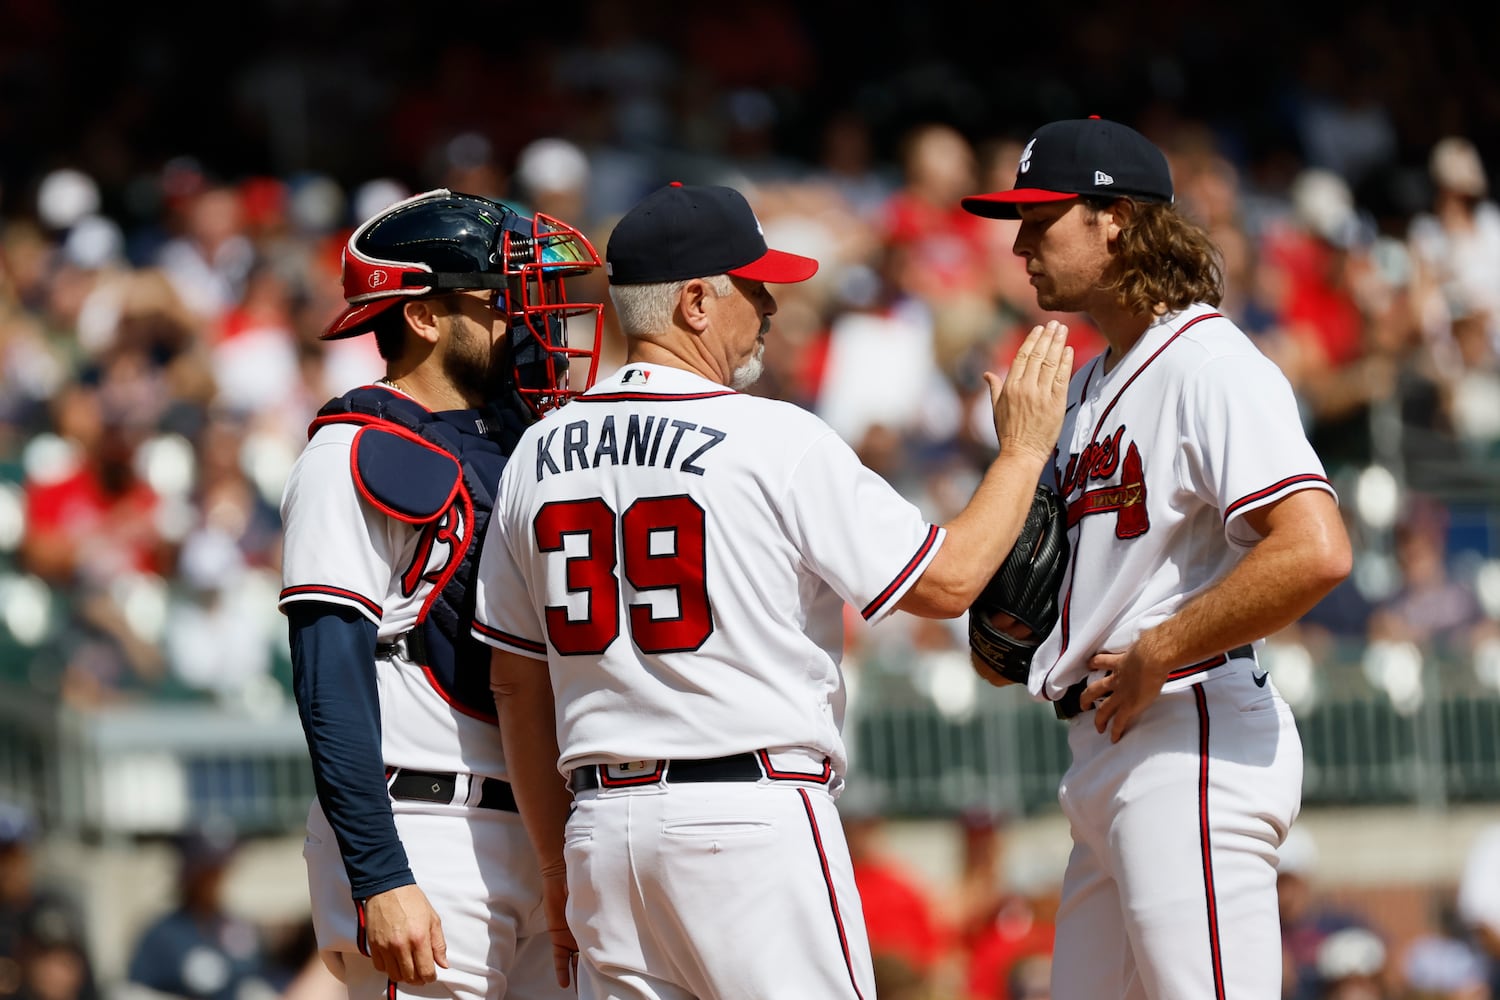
[{"x": 436, "y": 472}]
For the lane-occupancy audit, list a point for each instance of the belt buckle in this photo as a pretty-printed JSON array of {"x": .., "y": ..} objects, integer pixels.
[
  {"x": 631, "y": 772},
  {"x": 631, "y": 768}
]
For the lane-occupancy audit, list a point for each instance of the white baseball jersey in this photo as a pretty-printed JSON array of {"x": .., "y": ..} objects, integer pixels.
[
  {"x": 341, "y": 549},
  {"x": 688, "y": 551},
  {"x": 1159, "y": 458},
  {"x": 378, "y": 521},
  {"x": 1170, "y": 889}
]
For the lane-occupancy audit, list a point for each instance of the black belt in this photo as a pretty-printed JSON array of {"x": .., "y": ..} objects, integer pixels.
[
  {"x": 434, "y": 786},
  {"x": 410, "y": 645},
  {"x": 1070, "y": 704},
  {"x": 737, "y": 767}
]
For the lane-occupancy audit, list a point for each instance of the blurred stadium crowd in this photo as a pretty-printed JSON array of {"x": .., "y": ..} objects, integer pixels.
[{"x": 168, "y": 257}]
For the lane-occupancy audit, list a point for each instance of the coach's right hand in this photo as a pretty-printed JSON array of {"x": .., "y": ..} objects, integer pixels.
[
  {"x": 1030, "y": 402},
  {"x": 405, "y": 935}
]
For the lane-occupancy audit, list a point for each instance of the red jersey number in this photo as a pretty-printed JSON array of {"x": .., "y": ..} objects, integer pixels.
[{"x": 660, "y": 546}]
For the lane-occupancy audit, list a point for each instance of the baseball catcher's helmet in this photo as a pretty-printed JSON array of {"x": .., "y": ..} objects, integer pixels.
[{"x": 442, "y": 241}]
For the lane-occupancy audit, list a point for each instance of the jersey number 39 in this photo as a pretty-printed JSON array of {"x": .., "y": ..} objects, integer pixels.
[{"x": 657, "y": 544}]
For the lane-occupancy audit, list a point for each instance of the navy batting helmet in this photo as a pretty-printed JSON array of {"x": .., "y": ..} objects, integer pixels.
[{"x": 442, "y": 241}]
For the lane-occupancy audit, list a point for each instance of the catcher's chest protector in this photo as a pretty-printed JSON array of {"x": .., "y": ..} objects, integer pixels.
[{"x": 437, "y": 472}]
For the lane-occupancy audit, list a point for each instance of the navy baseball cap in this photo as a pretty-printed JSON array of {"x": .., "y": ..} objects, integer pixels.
[
  {"x": 684, "y": 231},
  {"x": 1081, "y": 156}
]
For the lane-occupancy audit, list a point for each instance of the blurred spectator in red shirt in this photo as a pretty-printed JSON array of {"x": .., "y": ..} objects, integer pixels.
[
  {"x": 1345, "y": 328},
  {"x": 900, "y": 916},
  {"x": 92, "y": 532},
  {"x": 945, "y": 247},
  {"x": 1003, "y": 915},
  {"x": 1007, "y": 954},
  {"x": 91, "y": 518},
  {"x": 1312, "y": 256}
]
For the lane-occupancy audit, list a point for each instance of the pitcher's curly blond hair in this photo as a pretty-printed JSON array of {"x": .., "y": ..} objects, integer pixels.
[{"x": 1165, "y": 261}]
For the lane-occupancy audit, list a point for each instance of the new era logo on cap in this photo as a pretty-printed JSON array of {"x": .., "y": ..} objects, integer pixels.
[
  {"x": 686, "y": 231},
  {"x": 1080, "y": 157}
]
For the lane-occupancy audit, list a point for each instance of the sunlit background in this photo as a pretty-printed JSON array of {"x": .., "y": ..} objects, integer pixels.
[{"x": 174, "y": 193}]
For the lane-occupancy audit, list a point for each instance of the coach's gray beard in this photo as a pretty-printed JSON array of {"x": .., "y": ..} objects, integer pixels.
[{"x": 749, "y": 373}]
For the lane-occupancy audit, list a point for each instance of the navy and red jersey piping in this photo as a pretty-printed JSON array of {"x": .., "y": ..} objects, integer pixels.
[
  {"x": 1202, "y": 666},
  {"x": 874, "y": 607},
  {"x": 321, "y": 590},
  {"x": 653, "y": 397},
  {"x": 1146, "y": 364},
  {"x": 510, "y": 638},
  {"x": 1064, "y": 618},
  {"x": 1310, "y": 478}
]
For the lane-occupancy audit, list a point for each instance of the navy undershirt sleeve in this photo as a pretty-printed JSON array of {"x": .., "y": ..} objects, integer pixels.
[{"x": 333, "y": 675}]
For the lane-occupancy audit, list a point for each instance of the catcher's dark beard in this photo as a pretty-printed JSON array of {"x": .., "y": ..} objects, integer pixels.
[{"x": 476, "y": 369}]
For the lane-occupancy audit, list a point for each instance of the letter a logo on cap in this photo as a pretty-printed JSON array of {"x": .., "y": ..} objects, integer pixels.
[{"x": 1026, "y": 156}]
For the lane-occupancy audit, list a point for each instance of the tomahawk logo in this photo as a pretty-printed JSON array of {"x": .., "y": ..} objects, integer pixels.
[
  {"x": 1099, "y": 461},
  {"x": 1026, "y": 157},
  {"x": 1101, "y": 179}
]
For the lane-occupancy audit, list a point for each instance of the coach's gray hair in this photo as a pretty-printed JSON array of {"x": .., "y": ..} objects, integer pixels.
[{"x": 646, "y": 310}]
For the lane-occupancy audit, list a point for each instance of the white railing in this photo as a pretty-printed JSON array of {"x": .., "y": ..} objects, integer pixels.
[{"x": 144, "y": 769}]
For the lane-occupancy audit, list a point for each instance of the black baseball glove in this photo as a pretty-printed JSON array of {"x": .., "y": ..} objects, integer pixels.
[{"x": 1025, "y": 589}]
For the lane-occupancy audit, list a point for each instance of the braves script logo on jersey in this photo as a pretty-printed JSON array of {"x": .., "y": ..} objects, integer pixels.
[
  {"x": 1127, "y": 498},
  {"x": 439, "y": 546}
]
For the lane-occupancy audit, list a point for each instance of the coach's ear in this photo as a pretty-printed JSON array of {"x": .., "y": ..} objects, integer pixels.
[{"x": 692, "y": 304}]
